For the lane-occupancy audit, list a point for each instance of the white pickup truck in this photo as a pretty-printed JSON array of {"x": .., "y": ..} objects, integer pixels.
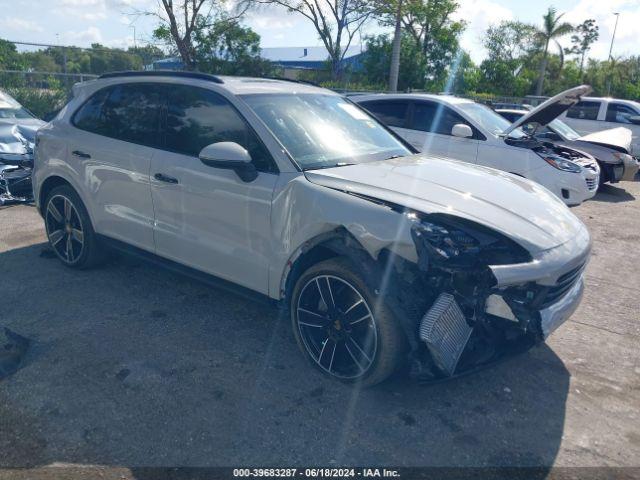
[{"x": 595, "y": 114}]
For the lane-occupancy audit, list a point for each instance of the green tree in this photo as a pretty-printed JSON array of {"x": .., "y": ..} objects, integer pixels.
[
  {"x": 335, "y": 21},
  {"x": 586, "y": 34},
  {"x": 377, "y": 62},
  {"x": 552, "y": 29},
  {"x": 231, "y": 49},
  {"x": 507, "y": 69},
  {"x": 435, "y": 33}
]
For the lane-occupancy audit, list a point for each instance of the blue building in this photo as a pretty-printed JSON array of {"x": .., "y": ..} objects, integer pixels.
[
  {"x": 310, "y": 58},
  {"x": 292, "y": 60}
]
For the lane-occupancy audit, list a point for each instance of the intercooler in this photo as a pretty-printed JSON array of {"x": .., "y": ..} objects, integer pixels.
[{"x": 446, "y": 332}]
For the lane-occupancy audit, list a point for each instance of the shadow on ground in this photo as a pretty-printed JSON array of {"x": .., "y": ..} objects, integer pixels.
[
  {"x": 611, "y": 194},
  {"x": 134, "y": 366}
]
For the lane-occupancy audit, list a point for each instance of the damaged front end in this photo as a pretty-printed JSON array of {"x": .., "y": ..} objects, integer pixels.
[
  {"x": 16, "y": 164},
  {"x": 468, "y": 320}
]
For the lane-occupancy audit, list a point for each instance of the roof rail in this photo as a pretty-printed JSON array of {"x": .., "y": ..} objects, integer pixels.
[
  {"x": 163, "y": 73},
  {"x": 304, "y": 82}
]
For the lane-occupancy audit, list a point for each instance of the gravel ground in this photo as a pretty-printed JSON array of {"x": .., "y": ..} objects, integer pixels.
[{"x": 133, "y": 366}]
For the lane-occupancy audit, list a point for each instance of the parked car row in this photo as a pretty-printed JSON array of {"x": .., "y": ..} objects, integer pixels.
[{"x": 383, "y": 256}]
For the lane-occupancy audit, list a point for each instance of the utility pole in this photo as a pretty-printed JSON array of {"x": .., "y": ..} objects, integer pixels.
[
  {"x": 135, "y": 46},
  {"x": 394, "y": 72},
  {"x": 615, "y": 29}
]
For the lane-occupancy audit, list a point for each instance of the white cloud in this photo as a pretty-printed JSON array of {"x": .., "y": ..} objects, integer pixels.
[
  {"x": 602, "y": 11},
  {"x": 83, "y": 37},
  {"x": 479, "y": 15},
  {"x": 20, "y": 25}
]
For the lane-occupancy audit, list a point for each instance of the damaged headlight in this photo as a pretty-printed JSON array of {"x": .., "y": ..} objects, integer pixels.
[{"x": 454, "y": 242}]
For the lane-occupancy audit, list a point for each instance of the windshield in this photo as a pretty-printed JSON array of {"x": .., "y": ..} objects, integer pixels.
[
  {"x": 564, "y": 130},
  {"x": 322, "y": 131},
  {"x": 10, "y": 108},
  {"x": 489, "y": 120}
]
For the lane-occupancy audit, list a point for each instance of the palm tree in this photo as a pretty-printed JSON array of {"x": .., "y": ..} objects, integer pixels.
[{"x": 550, "y": 31}]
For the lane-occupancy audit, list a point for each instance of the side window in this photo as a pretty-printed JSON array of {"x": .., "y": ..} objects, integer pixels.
[
  {"x": 435, "y": 118},
  {"x": 197, "y": 117},
  {"x": 128, "y": 112},
  {"x": 89, "y": 116},
  {"x": 392, "y": 114},
  {"x": 618, "y": 113},
  {"x": 584, "y": 111}
]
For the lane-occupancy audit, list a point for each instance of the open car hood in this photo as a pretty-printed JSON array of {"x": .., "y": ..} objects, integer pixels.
[
  {"x": 552, "y": 108},
  {"x": 518, "y": 208},
  {"x": 616, "y": 138}
]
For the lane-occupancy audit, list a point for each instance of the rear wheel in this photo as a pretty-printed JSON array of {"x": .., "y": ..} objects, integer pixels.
[
  {"x": 69, "y": 229},
  {"x": 341, "y": 327}
]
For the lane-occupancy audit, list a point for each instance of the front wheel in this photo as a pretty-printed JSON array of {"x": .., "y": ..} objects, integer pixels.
[{"x": 342, "y": 327}]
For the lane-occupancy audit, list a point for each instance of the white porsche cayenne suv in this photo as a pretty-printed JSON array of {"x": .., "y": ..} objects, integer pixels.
[{"x": 383, "y": 257}]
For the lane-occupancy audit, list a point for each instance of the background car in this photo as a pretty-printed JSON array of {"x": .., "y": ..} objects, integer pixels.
[
  {"x": 614, "y": 160},
  {"x": 593, "y": 114},
  {"x": 464, "y": 130},
  {"x": 17, "y": 132}
]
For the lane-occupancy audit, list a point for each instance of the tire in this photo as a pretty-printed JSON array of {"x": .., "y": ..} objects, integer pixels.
[
  {"x": 364, "y": 343},
  {"x": 69, "y": 230}
]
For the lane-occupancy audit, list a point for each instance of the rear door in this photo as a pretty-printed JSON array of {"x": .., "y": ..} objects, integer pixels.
[
  {"x": 208, "y": 218},
  {"x": 117, "y": 133},
  {"x": 431, "y": 124}
]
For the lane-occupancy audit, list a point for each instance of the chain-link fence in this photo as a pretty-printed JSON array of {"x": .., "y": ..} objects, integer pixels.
[{"x": 40, "y": 92}]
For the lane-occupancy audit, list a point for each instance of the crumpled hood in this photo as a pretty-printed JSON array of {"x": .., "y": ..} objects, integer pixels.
[
  {"x": 618, "y": 138},
  {"x": 18, "y": 136},
  {"x": 518, "y": 208}
]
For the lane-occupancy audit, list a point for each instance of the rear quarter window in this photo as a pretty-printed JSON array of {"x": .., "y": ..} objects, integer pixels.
[{"x": 127, "y": 112}]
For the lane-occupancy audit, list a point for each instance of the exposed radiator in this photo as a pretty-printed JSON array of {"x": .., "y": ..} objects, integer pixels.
[{"x": 446, "y": 332}]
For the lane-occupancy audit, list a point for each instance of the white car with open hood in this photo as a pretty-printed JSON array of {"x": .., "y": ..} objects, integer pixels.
[
  {"x": 464, "y": 130},
  {"x": 293, "y": 193},
  {"x": 611, "y": 148}
]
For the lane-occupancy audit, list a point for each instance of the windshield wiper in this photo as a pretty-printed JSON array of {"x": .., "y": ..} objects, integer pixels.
[{"x": 322, "y": 167}]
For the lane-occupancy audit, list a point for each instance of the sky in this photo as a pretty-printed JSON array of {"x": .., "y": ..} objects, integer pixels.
[{"x": 113, "y": 22}]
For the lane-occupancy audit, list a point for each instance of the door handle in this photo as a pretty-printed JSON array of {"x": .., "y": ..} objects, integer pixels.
[
  {"x": 78, "y": 153},
  {"x": 165, "y": 178}
]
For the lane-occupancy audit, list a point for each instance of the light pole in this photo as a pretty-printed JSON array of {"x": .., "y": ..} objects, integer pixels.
[
  {"x": 615, "y": 29},
  {"x": 135, "y": 46},
  {"x": 613, "y": 37}
]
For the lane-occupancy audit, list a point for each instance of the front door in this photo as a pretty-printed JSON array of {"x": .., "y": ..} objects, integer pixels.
[
  {"x": 431, "y": 125},
  {"x": 205, "y": 217}
]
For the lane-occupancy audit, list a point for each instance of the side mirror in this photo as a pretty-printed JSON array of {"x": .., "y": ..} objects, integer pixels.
[
  {"x": 462, "y": 131},
  {"x": 229, "y": 156},
  {"x": 635, "y": 119}
]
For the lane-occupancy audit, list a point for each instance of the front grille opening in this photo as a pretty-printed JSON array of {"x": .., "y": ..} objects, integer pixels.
[
  {"x": 564, "y": 284},
  {"x": 565, "y": 194}
]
